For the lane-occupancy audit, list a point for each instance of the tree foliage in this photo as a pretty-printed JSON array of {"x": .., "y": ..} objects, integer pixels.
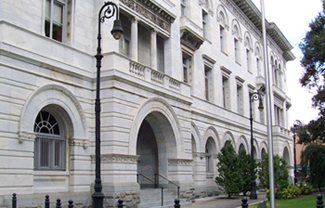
[
  {"x": 229, "y": 171},
  {"x": 314, "y": 155},
  {"x": 245, "y": 167},
  {"x": 313, "y": 49},
  {"x": 234, "y": 171},
  {"x": 313, "y": 61},
  {"x": 281, "y": 173}
]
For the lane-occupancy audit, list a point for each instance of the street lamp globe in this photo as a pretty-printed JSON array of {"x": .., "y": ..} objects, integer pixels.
[{"x": 117, "y": 30}]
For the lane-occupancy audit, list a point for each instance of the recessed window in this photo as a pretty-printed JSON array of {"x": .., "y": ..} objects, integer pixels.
[
  {"x": 207, "y": 79},
  {"x": 144, "y": 50},
  {"x": 236, "y": 48},
  {"x": 183, "y": 7},
  {"x": 205, "y": 23},
  {"x": 187, "y": 68},
  {"x": 248, "y": 60},
  {"x": 222, "y": 39},
  {"x": 209, "y": 152},
  {"x": 54, "y": 19},
  {"x": 225, "y": 92},
  {"x": 258, "y": 67},
  {"x": 160, "y": 54},
  {"x": 50, "y": 145},
  {"x": 126, "y": 38},
  {"x": 240, "y": 99}
]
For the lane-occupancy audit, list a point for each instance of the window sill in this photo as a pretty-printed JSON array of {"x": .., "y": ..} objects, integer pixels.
[
  {"x": 51, "y": 173},
  {"x": 224, "y": 52}
]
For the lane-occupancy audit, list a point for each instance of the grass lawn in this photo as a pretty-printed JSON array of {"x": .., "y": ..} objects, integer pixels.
[{"x": 303, "y": 202}]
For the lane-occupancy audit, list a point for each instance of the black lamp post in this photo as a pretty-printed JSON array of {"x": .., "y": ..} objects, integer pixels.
[
  {"x": 296, "y": 126},
  {"x": 254, "y": 97},
  {"x": 110, "y": 9}
]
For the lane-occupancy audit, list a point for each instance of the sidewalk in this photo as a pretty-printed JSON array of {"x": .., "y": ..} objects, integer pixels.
[{"x": 222, "y": 201}]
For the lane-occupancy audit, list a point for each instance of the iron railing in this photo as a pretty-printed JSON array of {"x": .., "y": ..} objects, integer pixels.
[
  {"x": 155, "y": 184},
  {"x": 170, "y": 182}
]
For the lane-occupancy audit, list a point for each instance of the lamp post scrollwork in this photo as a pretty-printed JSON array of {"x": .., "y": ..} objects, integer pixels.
[
  {"x": 255, "y": 96},
  {"x": 107, "y": 11}
]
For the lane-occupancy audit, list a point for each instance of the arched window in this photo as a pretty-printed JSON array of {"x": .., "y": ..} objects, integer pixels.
[
  {"x": 209, "y": 152},
  {"x": 50, "y": 145},
  {"x": 241, "y": 147},
  {"x": 275, "y": 73}
]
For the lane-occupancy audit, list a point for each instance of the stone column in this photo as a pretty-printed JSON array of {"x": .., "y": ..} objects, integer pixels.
[
  {"x": 153, "y": 48},
  {"x": 134, "y": 39}
]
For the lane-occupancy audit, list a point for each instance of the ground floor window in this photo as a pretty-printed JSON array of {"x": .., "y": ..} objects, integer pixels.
[{"x": 50, "y": 145}]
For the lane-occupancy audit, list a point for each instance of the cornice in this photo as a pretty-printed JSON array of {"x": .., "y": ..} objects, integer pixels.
[{"x": 152, "y": 11}]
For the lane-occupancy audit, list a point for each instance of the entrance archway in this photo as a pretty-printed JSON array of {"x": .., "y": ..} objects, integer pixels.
[
  {"x": 148, "y": 152},
  {"x": 155, "y": 145}
]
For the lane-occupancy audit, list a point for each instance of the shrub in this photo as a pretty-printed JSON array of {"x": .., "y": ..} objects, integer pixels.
[
  {"x": 292, "y": 191},
  {"x": 277, "y": 193},
  {"x": 306, "y": 188}
]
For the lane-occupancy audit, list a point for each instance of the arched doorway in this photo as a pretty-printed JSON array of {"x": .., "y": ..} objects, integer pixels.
[
  {"x": 286, "y": 155},
  {"x": 148, "y": 153},
  {"x": 155, "y": 145}
]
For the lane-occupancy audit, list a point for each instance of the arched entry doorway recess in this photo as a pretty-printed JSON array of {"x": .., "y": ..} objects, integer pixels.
[{"x": 155, "y": 138}]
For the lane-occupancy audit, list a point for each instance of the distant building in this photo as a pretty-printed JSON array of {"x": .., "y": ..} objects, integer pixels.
[{"x": 174, "y": 90}]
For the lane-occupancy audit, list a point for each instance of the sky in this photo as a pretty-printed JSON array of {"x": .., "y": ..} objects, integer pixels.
[{"x": 293, "y": 17}]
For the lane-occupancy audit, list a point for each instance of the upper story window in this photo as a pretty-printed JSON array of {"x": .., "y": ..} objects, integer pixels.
[
  {"x": 278, "y": 115},
  {"x": 258, "y": 61},
  {"x": 248, "y": 60},
  {"x": 275, "y": 73},
  {"x": 249, "y": 51},
  {"x": 237, "y": 39},
  {"x": 50, "y": 145},
  {"x": 236, "y": 49},
  {"x": 160, "y": 53},
  {"x": 205, "y": 23},
  {"x": 226, "y": 92},
  {"x": 187, "y": 65},
  {"x": 240, "y": 99},
  {"x": 144, "y": 45},
  {"x": 208, "y": 83},
  {"x": 258, "y": 66},
  {"x": 126, "y": 38},
  {"x": 55, "y": 16},
  {"x": 222, "y": 39},
  {"x": 183, "y": 7}
]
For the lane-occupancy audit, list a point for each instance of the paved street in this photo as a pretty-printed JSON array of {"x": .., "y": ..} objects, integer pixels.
[{"x": 223, "y": 201}]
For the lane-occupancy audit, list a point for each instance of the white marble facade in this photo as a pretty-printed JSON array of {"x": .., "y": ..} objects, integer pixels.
[{"x": 174, "y": 90}]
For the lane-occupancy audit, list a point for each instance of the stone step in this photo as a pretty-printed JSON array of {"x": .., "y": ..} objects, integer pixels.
[{"x": 151, "y": 198}]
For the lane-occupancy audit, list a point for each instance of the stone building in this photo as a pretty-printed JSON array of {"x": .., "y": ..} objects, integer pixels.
[{"x": 174, "y": 90}]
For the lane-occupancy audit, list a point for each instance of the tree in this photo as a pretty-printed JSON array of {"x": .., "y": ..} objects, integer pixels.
[
  {"x": 244, "y": 160},
  {"x": 229, "y": 171},
  {"x": 313, "y": 134},
  {"x": 314, "y": 155},
  {"x": 281, "y": 173},
  {"x": 313, "y": 61}
]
